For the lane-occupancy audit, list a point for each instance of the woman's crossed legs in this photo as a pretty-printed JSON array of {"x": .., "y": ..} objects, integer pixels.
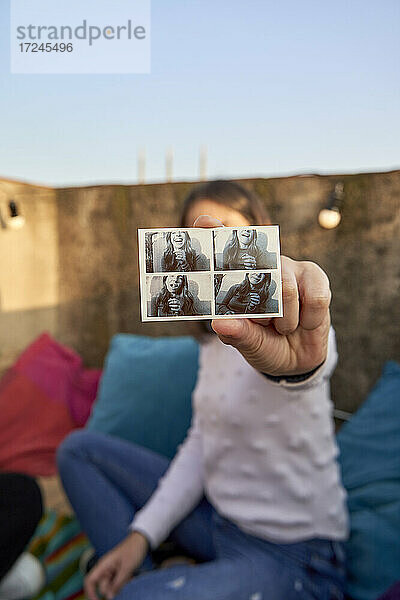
[{"x": 107, "y": 480}]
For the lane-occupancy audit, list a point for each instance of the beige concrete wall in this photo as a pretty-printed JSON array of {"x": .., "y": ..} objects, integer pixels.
[
  {"x": 30, "y": 279},
  {"x": 88, "y": 236},
  {"x": 29, "y": 286}
]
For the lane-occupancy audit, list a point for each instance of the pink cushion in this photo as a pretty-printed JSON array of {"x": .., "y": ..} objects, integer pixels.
[
  {"x": 31, "y": 427},
  {"x": 43, "y": 397},
  {"x": 58, "y": 371}
]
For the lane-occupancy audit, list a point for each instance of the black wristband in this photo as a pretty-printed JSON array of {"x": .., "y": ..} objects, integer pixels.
[{"x": 292, "y": 378}]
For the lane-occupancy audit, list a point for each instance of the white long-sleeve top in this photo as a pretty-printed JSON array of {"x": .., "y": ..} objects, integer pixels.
[{"x": 263, "y": 453}]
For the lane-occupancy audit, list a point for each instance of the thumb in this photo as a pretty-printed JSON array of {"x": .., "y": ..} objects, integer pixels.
[
  {"x": 235, "y": 332},
  {"x": 257, "y": 343}
]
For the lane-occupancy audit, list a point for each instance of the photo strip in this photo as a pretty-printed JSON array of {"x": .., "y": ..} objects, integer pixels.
[{"x": 216, "y": 273}]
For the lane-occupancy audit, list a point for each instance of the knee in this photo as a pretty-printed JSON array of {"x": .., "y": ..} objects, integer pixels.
[{"x": 75, "y": 446}]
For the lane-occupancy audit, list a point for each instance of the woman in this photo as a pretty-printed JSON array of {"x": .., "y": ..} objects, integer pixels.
[
  {"x": 252, "y": 295},
  {"x": 242, "y": 252},
  {"x": 174, "y": 299},
  {"x": 179, "y": 254},
  {"x": 254, "y": 492}
]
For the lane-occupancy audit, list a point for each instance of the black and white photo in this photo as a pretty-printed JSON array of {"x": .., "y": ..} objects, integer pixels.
[
  {"x": 252, "y": 293},
  {"x": 178, "y": 295},
  {"x": 245, "y": 248},
  {"x": 193, "y": 273},
  {"x": 178, "y": 251}
]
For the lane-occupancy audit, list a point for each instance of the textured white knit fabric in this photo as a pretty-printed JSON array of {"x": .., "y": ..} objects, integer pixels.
[{"x": 263, "y": 453}]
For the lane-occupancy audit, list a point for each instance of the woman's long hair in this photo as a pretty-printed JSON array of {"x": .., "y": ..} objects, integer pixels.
[
  {"x": 230, "y": 194},
  {"x": 232, "y": 246},
  {"x": 188, "y": 300},
  {"x": 262, "y": 288},
  {"x": 171, "y": 264}
]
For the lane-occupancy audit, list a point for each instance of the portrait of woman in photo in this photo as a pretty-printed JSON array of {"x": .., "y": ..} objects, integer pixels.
[
  {"x": 252, "y": 295},
  {"x": 174, "y": 299},
  {"x": 242, "y": 252},
  {"x": 179, "y": 254}
]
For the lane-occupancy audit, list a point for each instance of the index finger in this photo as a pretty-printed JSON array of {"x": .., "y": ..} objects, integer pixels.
[
  {"x": 206, "y": 221},
  {"x": 315, "y": 295},
  {"x": 89, "y": 585}
]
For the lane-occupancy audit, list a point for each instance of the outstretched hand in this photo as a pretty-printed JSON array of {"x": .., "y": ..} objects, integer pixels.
[{"x": 295, "y": 343}]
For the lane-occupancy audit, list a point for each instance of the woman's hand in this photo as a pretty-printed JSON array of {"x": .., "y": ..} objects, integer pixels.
[
  {"x": 174, "y": 305},
  {"x": 295, "y": 343},
  {"x": 116, "y": 567},
  {"x": 180, "y": 255},
  {"x": 249, "y": 261},
  {"x": 254, "y": 300}
]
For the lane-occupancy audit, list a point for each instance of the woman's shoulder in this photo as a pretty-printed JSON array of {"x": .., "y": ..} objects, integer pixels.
[
  {"x": 272, "y": 305},
  {"x": 202, "y": 262},
  {"x": 268, "y": 260},
  {"x": 233, "y": 289}
]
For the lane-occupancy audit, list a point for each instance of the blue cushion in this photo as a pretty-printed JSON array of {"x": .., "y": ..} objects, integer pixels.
[
  {"x": 370, "y": 461},
  {"x": 145, "y": 391}
]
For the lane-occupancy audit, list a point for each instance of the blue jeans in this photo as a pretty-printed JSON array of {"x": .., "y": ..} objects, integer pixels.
[{"x": 107, "y": 480}]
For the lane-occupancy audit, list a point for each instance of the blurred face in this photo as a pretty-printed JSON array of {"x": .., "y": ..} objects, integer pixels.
[
  {"x": 245, "y": 236},
  {"x": 174, "y": 283},
  {"x": 228, "y": 216},
  {"x": 256, "y": 278},
  {"x": 178, "y": 239}
]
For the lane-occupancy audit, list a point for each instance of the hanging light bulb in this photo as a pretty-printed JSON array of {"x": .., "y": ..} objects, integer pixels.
[
  {"x": 330, "y": 217},
  {"x": 16, "y": 220}
]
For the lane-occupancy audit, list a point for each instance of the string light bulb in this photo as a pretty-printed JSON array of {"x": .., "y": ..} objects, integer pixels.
[
  {"x": 16, "y": 220},
  {"x": 330, "y": 216}
]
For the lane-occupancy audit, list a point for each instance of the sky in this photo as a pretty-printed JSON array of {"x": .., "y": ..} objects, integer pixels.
[{"x": 269, "y": 88}]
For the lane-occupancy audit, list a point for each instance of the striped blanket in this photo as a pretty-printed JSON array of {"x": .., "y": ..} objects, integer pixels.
[{"x": 59, "y": 543}]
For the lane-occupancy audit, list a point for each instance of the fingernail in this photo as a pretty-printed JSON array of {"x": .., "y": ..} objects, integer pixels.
[{"x": 208, "y": 217}]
